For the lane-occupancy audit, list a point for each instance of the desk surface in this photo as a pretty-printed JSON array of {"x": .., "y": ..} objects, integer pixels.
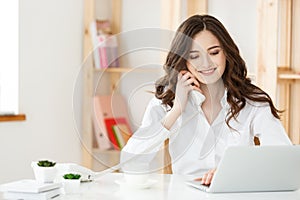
[{"x": 166, "y": 187}]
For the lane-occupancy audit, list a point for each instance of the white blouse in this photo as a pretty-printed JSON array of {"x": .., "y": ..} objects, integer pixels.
[{"x": 195, "y": 146}]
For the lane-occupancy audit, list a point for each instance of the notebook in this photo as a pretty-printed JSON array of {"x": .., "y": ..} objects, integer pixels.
[
  {"x": 28, "y": 186},
  {"x": 256, "y": 169},
  {"x": 32, "y": 196}
]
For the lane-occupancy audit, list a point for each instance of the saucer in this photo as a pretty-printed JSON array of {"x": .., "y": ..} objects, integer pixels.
[{"x": 147, "y": 184}]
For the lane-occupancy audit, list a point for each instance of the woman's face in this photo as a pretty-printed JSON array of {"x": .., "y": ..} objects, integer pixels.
[{"x": 206, "y": 60}]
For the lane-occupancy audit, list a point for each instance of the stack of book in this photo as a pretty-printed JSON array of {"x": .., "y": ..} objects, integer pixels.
[
  {"x": 30, "y": 189},
  {"x": 111, "y": 122},
  {"x": 105, "y": 45}
]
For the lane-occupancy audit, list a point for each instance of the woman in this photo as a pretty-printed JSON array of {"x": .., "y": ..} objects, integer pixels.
[{"x": 204, "y": 103}]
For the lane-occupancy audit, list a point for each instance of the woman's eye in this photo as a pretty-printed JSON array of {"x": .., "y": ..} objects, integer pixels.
[
  {"x": 213, "y": 53},
  {"x": 194, "y": 56}
]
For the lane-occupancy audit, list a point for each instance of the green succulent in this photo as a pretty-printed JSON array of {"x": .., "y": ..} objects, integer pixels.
[
  {"x": 45, "y": 163},
  {"x": 72, "y": 176}
]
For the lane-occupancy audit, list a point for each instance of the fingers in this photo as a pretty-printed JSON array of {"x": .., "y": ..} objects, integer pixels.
[
  {"x": 187, "y": 79},
  {"x": 198, "y": 179},
  {"x": 192, "y": 82},
  {"x": 207, "y": 177}
]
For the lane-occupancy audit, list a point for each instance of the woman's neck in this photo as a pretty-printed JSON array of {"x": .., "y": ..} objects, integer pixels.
[
  {"x": 212, "y": 106},
  {"x": 214, "y": 92}
]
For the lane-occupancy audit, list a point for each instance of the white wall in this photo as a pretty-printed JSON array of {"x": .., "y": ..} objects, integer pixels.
[{"x": 50, "y": 57}]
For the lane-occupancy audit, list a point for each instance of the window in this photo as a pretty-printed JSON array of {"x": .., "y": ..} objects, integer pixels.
[{"x": 9, "y": 57}]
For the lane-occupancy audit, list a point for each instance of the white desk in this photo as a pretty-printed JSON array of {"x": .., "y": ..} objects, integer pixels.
[{"x": 168, "y": 187}]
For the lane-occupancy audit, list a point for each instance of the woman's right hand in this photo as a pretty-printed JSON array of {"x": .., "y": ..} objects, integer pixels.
[{"x": 186, "y": 82}]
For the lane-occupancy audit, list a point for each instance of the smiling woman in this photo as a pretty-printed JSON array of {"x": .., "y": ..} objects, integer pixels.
[{"x": 204, "y": 104}]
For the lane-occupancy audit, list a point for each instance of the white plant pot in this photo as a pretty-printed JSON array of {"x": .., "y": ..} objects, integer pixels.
[
  {"x": 44, "y": 174},
  {"x": 71, "y": 186}
]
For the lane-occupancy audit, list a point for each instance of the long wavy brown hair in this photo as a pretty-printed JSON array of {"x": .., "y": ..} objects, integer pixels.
[{"x": 239, "y": 87}]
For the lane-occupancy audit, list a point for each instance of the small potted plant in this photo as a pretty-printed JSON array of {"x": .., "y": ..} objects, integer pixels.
[
  {"x": 44, "y": 171},
  {"x": 71, "y": 183}
]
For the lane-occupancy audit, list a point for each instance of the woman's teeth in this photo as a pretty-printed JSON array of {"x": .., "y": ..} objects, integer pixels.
[{"x": 208, "y": 71}]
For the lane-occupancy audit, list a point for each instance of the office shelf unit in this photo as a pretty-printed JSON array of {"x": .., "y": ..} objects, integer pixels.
[{"x": 92, "y": 157}]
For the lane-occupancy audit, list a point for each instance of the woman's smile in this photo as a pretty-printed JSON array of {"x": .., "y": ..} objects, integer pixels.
[{"x": 207, "y": 72}]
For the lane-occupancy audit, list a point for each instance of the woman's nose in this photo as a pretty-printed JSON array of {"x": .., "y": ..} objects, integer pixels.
[{"x": 206, "y": 62}]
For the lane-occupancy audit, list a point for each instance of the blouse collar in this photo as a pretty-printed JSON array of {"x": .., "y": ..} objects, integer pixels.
[{"x": 198, "y": 98}]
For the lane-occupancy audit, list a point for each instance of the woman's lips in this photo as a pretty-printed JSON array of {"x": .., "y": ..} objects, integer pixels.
[{"x": 207, "y": 72}]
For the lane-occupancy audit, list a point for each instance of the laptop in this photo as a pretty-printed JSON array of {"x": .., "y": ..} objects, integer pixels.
[{"x": 256, "y": 169}]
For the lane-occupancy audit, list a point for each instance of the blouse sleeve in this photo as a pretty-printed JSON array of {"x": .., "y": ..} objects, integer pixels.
[
  {"x": 269, "y": 129},
  {"x": 148, "y": 140}
]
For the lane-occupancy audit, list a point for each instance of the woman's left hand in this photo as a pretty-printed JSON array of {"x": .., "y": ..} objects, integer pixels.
[{"x": 207, "y": 177}]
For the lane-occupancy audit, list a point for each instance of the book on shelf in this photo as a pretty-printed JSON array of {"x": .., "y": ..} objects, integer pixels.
[
  {"x": 105, "y": 45},
  {"x": 111, "y": 47},
  {"x": 122, "y": 134},
  {"x": 101, "y": 45},
  {"x": 125, "y": 131},
  {"x": 108, "y": 110},
  {"x": 96, "y": 53},
  {"x": 116, "y": 134},
  {"x": 100, "y": 132}
]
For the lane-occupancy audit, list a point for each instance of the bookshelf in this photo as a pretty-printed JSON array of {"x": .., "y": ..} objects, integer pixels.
[{"x": 92, "y": 157}]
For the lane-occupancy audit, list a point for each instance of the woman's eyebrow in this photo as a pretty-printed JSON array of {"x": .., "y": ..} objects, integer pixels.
[
  {"x": 194, "y": 51},
  {"x": 216, "y": 46},
  {"x": 210, "y": 48}
]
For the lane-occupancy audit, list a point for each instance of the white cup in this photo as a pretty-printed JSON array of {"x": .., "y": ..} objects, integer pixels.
[
  {"x": 136, "y": 179},
  {"x": 136, "y": 173}
]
